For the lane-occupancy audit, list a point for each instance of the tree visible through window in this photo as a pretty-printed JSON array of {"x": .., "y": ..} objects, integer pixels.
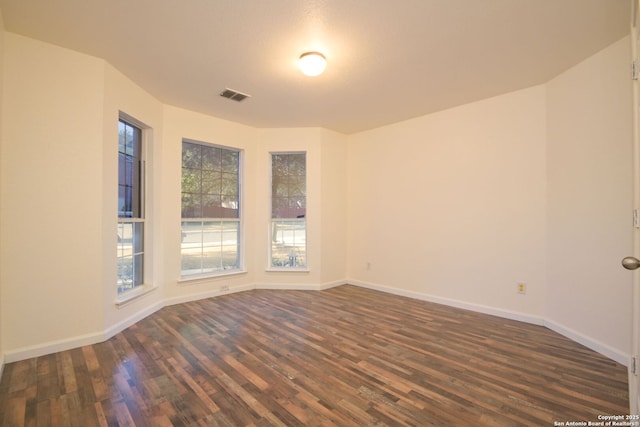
[
  {"x": 210, "y": 209},
  {"x": 288, "y": 210}
]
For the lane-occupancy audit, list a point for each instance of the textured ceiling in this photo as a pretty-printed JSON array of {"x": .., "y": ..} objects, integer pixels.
[{"x": 387, "y": 60}]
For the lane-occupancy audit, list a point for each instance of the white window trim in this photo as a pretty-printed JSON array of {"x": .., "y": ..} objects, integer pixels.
[
  {"x": 239, "y": 270},
  {"x": 288, "y": 270},
  {"x": 241, "y": 242},
  {"x": 147, "y": 273},
  {"x": 138, "y": 292},
  {"x": 197, "y": 278},
  {"x": 270, "y": 267}
]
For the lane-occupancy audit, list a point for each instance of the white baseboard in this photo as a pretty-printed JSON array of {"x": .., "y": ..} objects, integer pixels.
[
  {"x": 52, "y": 347},
  {"x": 619, "y": 356},
  {"x": 88, "y": 339},
  {"x": 97, "y": 337},
  {"x": 507, "y": 314},
  {"x": 131, "y": 320},
  {"x": 79, "y": 341},
  {"x": 300, "y": 287},
  {"x": 595, "y": 345},
  {"x": 207, "y": 294},
  {"x": 334, "y": 284}
]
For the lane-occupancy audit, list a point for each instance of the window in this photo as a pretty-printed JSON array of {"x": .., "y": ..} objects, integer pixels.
[
  {"x": 210, "y": 209},
  {"x": 288, "y": 210},
  {"x": 130, "y": 207}
]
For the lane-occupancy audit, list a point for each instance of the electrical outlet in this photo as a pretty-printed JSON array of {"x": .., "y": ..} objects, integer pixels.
[
  {"x": 224, "y": 288},
  {"x": 522, "y": 288}
]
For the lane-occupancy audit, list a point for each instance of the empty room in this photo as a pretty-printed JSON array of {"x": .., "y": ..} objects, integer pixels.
[{"x": 436, "y": 224}]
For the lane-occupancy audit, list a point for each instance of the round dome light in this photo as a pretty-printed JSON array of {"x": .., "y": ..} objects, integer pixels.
[{"x": 312, "y": 63}]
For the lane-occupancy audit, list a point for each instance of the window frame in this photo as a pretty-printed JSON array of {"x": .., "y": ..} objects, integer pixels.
[
  {"x": 240, "y": 243},
  {"x": 143, "y": 286},
  {"x": 304, "y": 220}
]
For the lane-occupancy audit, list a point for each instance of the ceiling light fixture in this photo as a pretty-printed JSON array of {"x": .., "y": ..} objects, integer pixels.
[{"x": 312, "y": 63}]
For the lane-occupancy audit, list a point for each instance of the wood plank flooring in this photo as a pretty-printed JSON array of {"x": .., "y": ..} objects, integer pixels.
[{"x": 346, "y": 356}]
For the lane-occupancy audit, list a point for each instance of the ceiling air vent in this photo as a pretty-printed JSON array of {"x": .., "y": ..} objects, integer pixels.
[{"x": 234, "y": 94}]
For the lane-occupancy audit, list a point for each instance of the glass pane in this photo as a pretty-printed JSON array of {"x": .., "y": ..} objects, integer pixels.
[
  {"x": 279, "y": 207},
  {"x": 211, "y": 261},
  {"x": 130, "y": 254},
  {"x": 288, "y": 186},
  {"x": 191, "y": 180},
  {"x": 121, "y": 200},
  {"x": 279, "y": 165},
  {"x": 191, "y": 261},
  {"x": 191, "y": 156},
  {"x": 230, "y": 244},
  {"x": 211, "y": 206},
  {"x": 125, "y": 273},
  {"x": 230, "y": 161},
  {"x": 138, "y": 237},
  {"x": 128, "y": 197},
  {"x": 297, "y": 185},
  {"x": 191, "y": 205},
  {"x": 229, "y": 184},
  {"x": 136, "y": 200},
  {"x": 297, "y": 164},
  {"x": 128, "y": 201},
  {"x": 191, "y": 247},
  {"x": 211, "y": 246},
  {"x": 129, "y": 143},
  {"x": 229, "y": 207},
  {"x": 128, "y": 171},
  {"x": 129, "y": 157},
  {"x": 279, "y": 187},
  {"x": 136, "y": 135},
  {"x": 125, "y": 239},
  {"x": 230, "y": 257},
  {"x": 211, "y": 233},
  {"x": 121, "y": 168},
  {"x": 125, "y": 278},
  {"x": 130, "y": 243},
  {"x": 210, "y": 183},
  {"x": 191, "y": 234},
  {"x": 210, "y": 158},
  {"x": 297, "y": 207},
  {"x": 210, "y": 190},
  {"x": 138, "y": 268},
  {"x": 121, "y": 137},
  {"x": 288, "y": 245}
]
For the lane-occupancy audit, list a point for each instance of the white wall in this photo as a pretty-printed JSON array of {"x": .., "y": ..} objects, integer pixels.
[
  {"x": 122, "y": 95},
  {"x": 285, "y": 140},
  {"x": 52, "y": 194},
  {"x": 334, "y": 176},
  {"x": 325, "y": 251},
  {"x": 1, "y": 226},
  {"x": 59, "y": 187},
  {"x": 456, "y": 207},
  {"x": 532, "y": 186},
  {"x": 179, "y": 124},
  {"x": 451, "y": 206},
  {"x": 589, "y": 179}
]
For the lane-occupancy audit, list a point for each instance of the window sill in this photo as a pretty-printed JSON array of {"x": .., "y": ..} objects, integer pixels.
[
  {"x": 126, "y": 297},
  {"x": 288, "y": 270},
  {"x": 185, "y": 280}
]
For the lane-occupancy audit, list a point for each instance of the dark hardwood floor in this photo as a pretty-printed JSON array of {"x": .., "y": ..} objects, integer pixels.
[{"x": 347, "y": 356}]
